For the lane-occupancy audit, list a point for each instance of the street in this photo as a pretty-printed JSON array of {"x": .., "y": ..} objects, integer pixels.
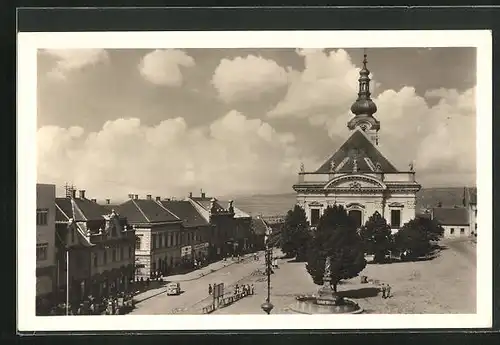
[{"x": 194, "y": 294}]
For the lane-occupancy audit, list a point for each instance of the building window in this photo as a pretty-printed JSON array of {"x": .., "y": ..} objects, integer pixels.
[
  {"x": 462, "y": 231},
  {"x": 314, "y": 216},
  {"x": 153, "y": 239},
  {"x": 42, "y": 216},
  {"x": 153, "y": 266},
  {"x": 130, "y": 252},
  {"x": 96, "y": 260},
  {"x": 41, "y": 251},
  {"x": 169, "y": 240},
  {"x": 138, "y": 242},
  {"x": 105, "y": 257},
  {"x": 113, "y": 255},
  {"x": 452, "y": 231},
  {"x": 395, "y": 219},
  {"x": 475, "y": 226},
  {"x": 121, "y": 254}
]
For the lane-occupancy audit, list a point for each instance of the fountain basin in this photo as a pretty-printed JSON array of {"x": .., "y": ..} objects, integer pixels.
[{"x": 310, "y": 304}]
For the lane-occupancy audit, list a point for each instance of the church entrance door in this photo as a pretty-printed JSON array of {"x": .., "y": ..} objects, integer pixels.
[{"x": 356, "y": 217}]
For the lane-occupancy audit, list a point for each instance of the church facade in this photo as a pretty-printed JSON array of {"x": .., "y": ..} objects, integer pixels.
[{"x": 358, "y": 176}]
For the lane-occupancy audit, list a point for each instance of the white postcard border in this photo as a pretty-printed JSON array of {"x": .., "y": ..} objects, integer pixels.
[{"x": 28, "y": 43}]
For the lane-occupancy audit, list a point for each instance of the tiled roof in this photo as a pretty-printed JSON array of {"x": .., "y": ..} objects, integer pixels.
[
  {"x": 357, "y": 147},
  {"x": 186, "y": 212},
  {"x": 258, "y": 226},
  {"x": 451, "y": 216},
  {"x": 238, "y": 213},
  {"x": 79, "y": 209},
  {"x": 145, "y": 211},
  {"x": 206, "y": 203}
]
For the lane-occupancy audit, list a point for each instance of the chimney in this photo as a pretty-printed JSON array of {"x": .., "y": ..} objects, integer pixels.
[
  {"x": 73, "y": 193},
  {"x": 82, "y": 194},
  {"x": 190, "y": 194},
  {"x": 203, "y": 195},
  {"x": 93, "y": 200},
  {"x": 158, "y": 198},
  {"x": 108, "y": 201},
  {"x": 149, "y": 196},
  {"x": 131, "y": 196},
  {"x": 136, "y": 197}
]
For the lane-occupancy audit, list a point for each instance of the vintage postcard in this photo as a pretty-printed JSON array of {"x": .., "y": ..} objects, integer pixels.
[{"x": 265, "y": 180}]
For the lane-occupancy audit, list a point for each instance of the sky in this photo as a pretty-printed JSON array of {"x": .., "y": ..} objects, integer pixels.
[{"x": 234, "y": 122}]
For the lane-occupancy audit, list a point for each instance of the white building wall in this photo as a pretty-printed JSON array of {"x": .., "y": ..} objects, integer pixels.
[
  {"x": 403, "y": 202},
  {"x": 370, "y": 204},
  {"x": 456, "y": 231},
  {"x": 45, "y": 238},
  {"x": 45, "y": 200}
]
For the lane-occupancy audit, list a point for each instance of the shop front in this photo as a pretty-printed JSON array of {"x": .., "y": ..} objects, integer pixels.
[
  {"x": 187, "y": 256},
  {"x": 200, "y": 251}
]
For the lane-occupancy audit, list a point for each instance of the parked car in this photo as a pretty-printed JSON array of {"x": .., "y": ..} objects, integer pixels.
[{"x": 173, "y": 288}]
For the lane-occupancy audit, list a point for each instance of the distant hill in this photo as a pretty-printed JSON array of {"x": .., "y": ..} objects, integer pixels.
[{"x": 274, "y": 204}]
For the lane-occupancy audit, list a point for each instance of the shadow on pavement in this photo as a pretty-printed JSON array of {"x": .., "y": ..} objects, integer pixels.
[{"x": 359, "y": 293}]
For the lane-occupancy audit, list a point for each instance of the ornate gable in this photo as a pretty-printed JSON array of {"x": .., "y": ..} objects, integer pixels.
[{"x": 355, "y": 183}]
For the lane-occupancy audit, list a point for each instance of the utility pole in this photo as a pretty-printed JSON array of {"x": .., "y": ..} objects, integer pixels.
[{"x": 67, "y": 280}]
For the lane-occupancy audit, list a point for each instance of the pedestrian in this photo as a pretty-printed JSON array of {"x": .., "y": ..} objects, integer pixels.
[
  {"x": 383, "y": 288},
  {"x": 248, "y": 289},
  {"x": 251, "y": 289},
  {"x": 236, "y": 289},
  {"x": 388, "y": 291},
  {"x": 210, "y": 289}
]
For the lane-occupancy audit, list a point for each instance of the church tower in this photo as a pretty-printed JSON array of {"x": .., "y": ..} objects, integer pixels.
[{"x": 364, "y": 108}]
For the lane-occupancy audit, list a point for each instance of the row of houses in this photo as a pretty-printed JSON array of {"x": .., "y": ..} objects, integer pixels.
[{"x": 99, "y": 249}]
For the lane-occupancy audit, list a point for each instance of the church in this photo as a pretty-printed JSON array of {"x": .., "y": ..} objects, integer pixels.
[{"x": 358, "y": 176}]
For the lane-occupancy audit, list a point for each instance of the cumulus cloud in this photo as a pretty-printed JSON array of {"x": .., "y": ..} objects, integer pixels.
[
  {"x": 439, "y": 138},
  {"x": 248, "y": 78},
  {"x": 163, "y": 66},
  {"x": 69, "y": 60},
  {"x": 232, "y": 155}
]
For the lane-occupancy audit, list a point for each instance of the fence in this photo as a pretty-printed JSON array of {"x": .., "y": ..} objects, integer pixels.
[{"x": 224, "y": 302}]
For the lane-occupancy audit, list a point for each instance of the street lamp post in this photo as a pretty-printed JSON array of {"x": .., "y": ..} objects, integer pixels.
[
  {"x": 267, "y": 306},
  {"x": 67, "y": 280}
]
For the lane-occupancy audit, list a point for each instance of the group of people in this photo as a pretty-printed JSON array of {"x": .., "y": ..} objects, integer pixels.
[
  {"x": 115, "y": 305},
  {"x": 386, "y": 290},
  {"x": 246, "y": 289}
]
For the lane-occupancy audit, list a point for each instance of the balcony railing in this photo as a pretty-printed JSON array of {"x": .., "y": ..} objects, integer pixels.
[{"x": 318, "y": 178}]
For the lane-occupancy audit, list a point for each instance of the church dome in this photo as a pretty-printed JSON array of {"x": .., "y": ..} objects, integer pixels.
[{"x": 364, "y": 106}]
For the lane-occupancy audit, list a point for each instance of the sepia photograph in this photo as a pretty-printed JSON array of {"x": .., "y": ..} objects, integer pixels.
[{"x": 327, "y": 178}]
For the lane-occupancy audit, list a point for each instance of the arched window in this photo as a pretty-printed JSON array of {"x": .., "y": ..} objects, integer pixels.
[
  {"x": 357, "y": 217},
  {"x": 137, "y": 242}
]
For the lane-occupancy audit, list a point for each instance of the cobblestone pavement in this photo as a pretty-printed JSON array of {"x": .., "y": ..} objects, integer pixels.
[{"x": 443, "y": 285}]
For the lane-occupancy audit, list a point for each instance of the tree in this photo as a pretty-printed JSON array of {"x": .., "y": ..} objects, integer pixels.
[
  {"x": 295, "y": 233},
  {"x": 416, "y": 236},
  {"x": 336, "y": 237},
  {"x": 376, "y": 236}
]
